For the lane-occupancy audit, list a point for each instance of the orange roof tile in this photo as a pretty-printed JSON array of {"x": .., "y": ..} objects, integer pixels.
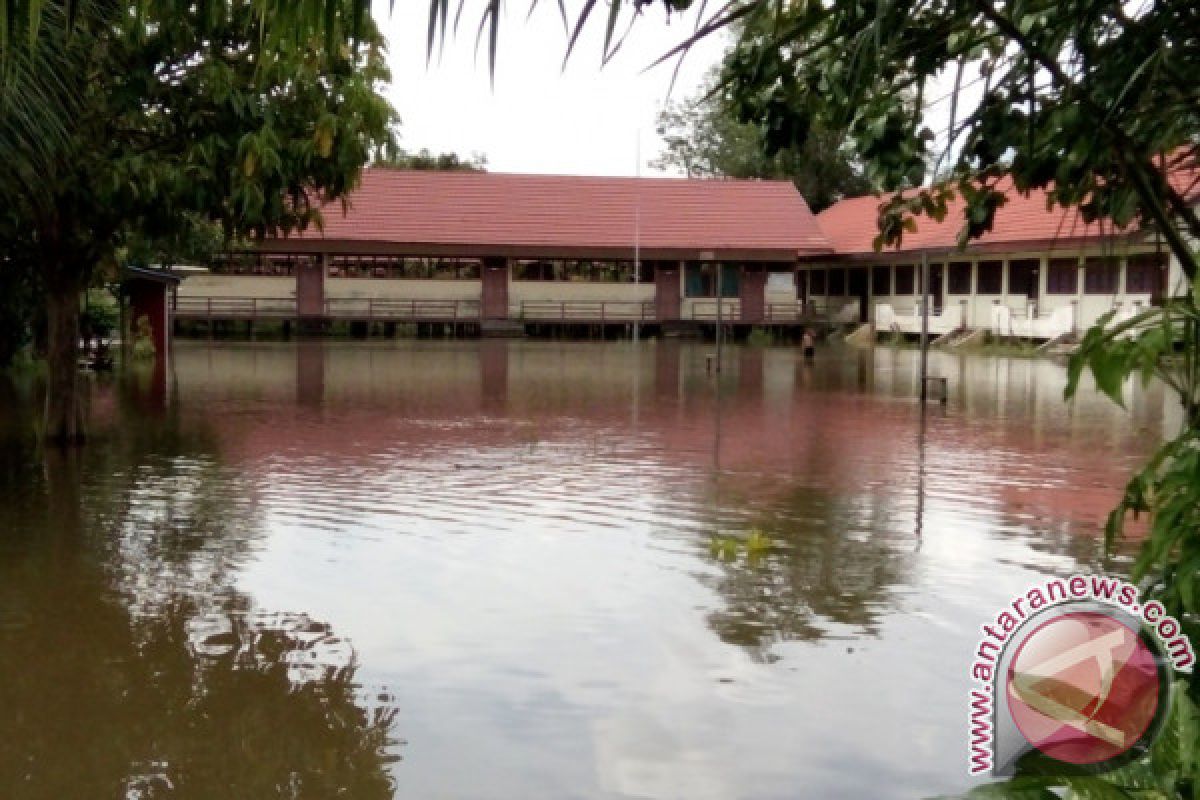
[
  {"x": 574, "y": 214},
  {"x": 1024, "y": 221}
]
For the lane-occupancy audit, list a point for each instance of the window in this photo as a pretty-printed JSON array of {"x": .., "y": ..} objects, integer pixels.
[
  {"x": 1023, "y": 277},
  {"x": 536, "y": 271},
  {"x": 399, "y": 267},
  {"x": 904, "y": 279},
  {"x": 991, "y": 277},
  {"x": 816, "y": 282},
  {"x": 881, "y": 281},
  {"x": 935, "y": 278},
  {"x": 1143, "y": 273},
  {"x": 700, "y": 280},
  {"x": 837, "y": 282},
  {"x": 275, "y": 264},
  {"x": 580, "y": 270},
  {"x": 1063, "y": 277},
  {"x": 731, "y": 280},
  {"x": 1101, "y": 275},
  {"x": 958, "y": 278}
]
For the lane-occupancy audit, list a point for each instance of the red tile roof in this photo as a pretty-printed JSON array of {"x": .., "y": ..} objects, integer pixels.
[
  {"x": 548, "y": 213},
  {"x": 1022, "y": 222}
]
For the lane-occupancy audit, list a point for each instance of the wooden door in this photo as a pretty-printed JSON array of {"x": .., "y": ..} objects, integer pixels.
[
  {"x": 752, "y": 294},
  {"x": 495, "y": 290},
  {"x": 666, "y": 292},
  {"x": 310, "y": 288}
]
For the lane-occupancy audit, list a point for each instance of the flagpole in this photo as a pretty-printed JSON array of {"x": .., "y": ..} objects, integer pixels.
[{"x": 637, "y": 236}]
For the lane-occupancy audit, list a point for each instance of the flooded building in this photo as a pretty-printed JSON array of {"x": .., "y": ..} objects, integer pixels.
[
  {"x": 505, "y": 250},
  {"x": 1039, "y": 273},
  {"x": 509, "y": 253}
]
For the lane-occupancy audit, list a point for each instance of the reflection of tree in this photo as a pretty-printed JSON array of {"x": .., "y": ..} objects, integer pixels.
[
  {"x": 834, "y": 563},
  {"x": 129, "y": 665}
]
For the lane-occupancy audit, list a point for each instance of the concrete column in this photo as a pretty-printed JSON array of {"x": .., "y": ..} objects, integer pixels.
[
  {"x": 494, "y": 302},
  {"x": 310, "y": 287},
  {"x": 1043, "y": 280}
]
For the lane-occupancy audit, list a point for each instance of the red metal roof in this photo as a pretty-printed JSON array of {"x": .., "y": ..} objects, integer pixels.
[
  {"x": 545, "y": 213},
  {"x": 1024, "y": 221}
]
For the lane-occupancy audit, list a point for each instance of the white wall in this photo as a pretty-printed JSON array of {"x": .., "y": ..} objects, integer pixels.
[
  {"x": 578, "y": 292},
  {"x": 980, "y": 307},
  {"x": 259, "y": 286}
]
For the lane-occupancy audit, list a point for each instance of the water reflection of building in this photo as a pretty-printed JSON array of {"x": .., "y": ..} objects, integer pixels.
[{"x": 848, "y": 423}]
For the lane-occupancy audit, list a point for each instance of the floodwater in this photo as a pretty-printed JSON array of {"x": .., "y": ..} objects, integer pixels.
[{"x": 462, "y": 569}]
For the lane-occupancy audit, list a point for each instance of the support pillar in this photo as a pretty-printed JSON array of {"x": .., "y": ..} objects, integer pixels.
[
  {"x": 494, "y": 302},
  {"x": 310, "y": 289}
]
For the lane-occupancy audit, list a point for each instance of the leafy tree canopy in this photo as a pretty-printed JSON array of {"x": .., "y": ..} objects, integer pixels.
[
  {"x": 704, "y": 139},
  {"x": 1093, "y": 100},
  {"x": 424, "y": 159},
  {"x": 180, "y": 116}
]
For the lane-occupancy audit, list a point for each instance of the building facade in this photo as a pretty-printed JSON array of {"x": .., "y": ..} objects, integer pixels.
[
  {"x": 526, "y": 249},
  {"x": 492, "y": 247}
]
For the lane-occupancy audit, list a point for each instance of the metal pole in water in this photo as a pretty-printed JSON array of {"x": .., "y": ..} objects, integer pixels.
[
  {"x": 720, "y": 270},
  {"x": 924, "y": 327},
  {"x": 637, "y": 235}
]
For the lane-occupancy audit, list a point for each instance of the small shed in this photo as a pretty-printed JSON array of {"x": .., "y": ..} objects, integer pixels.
[{"x": 146, "y": 292}]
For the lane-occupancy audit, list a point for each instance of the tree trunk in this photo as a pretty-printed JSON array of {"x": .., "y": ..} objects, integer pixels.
[{"x": 64, "y": 421}]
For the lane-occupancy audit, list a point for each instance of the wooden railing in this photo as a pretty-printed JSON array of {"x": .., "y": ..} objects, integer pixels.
[
  {"x": 602, "y": 312},
  {"x": 397, "y": 310},
  {"x": 235, "y": 307},
  {"x": 389, "y": 310},
  {"x": 772, "y": 313},
  {"x": 783, "y": 313},
  {"x": 368, "y": 309},
  {"x": 706, "y": 310}
]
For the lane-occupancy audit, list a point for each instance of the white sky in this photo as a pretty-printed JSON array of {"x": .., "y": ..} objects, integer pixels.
[
  {"x": 539, "y": 117},
  {"x": 583, "y": 120}
]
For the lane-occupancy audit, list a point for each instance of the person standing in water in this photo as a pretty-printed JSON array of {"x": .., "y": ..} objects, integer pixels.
[{"x": 808, "y": 342}]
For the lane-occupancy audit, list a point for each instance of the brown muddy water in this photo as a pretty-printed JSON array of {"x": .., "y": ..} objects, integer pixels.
[{"x": 484, "y": 569}]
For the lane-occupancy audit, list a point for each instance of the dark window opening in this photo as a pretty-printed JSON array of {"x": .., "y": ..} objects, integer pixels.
[
  {"x": 403, "y": 267},
  {"x": 581, "y": 271},
  {"x": 991, "y": 277},
  {"x": 881, "y": 281},
  {"x": 1063, "y": 277},
  {"x": 1101, "y": 275},
  {"x": 958, "y": 278},
  {"x": 816, "y": 282},
  {"x": 1023, "y": 277},
  {"x": 1144, "y": 273},
  {"x": 837, "y": 282}
]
